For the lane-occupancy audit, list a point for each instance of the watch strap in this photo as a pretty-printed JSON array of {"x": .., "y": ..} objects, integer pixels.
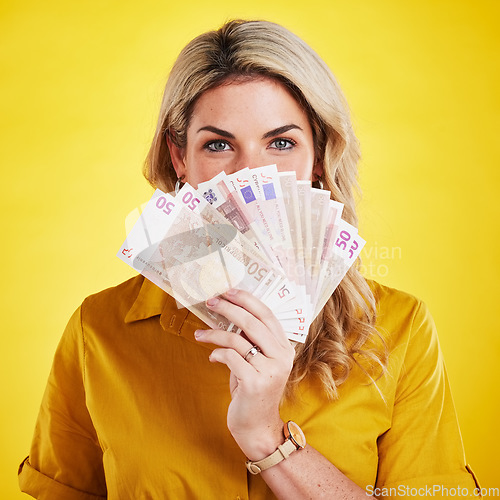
[{"x": 283, "y": 451}]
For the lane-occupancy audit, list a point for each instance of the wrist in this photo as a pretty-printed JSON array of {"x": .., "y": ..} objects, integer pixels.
[
  {"x": 258, "y": 443},
  {"x": 294, "y": 440}
]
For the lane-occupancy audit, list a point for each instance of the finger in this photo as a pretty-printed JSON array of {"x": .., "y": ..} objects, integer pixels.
[
  {"x": 252, "y": 353},
  {"x": 233, "y": 341},
  {"x": 255, "y": 330},
  {"x": 238, "y": 366},
  {"x": 258, "y": 309}
]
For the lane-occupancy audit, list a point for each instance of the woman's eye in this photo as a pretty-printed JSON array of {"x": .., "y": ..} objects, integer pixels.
[
  {"x": 282, "y": 144},
  {"x": 217, "y": 146}
]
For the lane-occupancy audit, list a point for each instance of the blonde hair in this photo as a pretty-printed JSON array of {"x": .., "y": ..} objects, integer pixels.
[{"x": 250, "y": 49}]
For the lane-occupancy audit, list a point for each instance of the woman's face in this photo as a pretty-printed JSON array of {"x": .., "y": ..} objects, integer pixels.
[{"x": 246, "y": 124}]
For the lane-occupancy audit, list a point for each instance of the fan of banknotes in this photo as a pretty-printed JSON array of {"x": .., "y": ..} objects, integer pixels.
[{"x": 258, "y": 230}]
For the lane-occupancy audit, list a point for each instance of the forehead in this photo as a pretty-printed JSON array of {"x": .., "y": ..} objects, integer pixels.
[{"x": 257, "y": 98}]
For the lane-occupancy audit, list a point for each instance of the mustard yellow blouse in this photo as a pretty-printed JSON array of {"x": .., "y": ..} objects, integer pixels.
[{"x": 134, "y": 410}]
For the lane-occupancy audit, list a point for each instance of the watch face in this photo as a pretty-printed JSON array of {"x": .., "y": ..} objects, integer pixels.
[{"x": 296, "y": 435}]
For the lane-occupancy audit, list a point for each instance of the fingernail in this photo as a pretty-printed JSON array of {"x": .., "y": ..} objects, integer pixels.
[
  {"x": 212, "y": 302},
  {"x": 199, "y": 333},
  {"x": 232, "y": 291}
]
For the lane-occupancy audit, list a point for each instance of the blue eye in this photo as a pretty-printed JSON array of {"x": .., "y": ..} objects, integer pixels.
[
  {"x": 282, "y": 144},
  {"x": 217, "y": 146}
]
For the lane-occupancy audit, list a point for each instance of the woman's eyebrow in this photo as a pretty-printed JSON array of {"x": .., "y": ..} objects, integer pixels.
[
  {"x": 217, "y": 131},
  {"x": 272, "y": 133},
  {"x": 280, "y": 130}
]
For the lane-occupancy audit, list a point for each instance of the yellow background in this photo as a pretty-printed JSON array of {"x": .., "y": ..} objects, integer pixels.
[{"x": 79, "y": 94}]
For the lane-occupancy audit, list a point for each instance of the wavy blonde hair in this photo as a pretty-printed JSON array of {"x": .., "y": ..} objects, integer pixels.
[{"x": 339, "y": 336}]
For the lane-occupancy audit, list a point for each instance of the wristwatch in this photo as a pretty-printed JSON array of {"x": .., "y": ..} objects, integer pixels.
[{"x": 294, "y": 440}]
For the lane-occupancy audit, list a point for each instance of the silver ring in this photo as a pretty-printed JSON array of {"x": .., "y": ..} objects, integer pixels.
[{"x": 251, "y": 352}]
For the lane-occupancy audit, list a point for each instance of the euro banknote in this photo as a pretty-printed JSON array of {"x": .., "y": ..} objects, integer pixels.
[{"x": 259, "y": 230}]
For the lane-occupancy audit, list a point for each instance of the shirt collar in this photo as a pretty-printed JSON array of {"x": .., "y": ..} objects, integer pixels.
[
  {"x": 150, "y": 301},
  {"x": 153, "y": 301}
]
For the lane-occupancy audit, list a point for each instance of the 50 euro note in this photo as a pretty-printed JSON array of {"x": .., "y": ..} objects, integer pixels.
[
  {"x": 226, "y": 200},
  {"x": 337, "y": 259},
  {"x": 320, "y": 209},
  {"x": 304, "y": 197},
  {"x": 278, "y": 292},
  {"x": 191, "y": 260},
  {"x": 301, "y": 318},
  {"x": 331, "y": 229},
  {"x": 154, "y": 236},
  {"x": 283, "y": 289},
  {"x": 259, "y": 199},
  {"x": 256, "y": 230},
  {"x": 262, "y": 190},
  {"x": 272, "y": 205}
]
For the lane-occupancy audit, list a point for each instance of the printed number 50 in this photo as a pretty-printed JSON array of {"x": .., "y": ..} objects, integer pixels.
[
  {"x": 164, "y": 205},
  {"x": 342, "y": 241},
  {"x": 188, "y": 197}
]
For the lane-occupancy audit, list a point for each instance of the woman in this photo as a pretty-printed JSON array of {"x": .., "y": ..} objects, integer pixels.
[{"x": 138, "y": 407}]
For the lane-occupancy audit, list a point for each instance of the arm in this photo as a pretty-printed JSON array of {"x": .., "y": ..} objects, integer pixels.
[
  {"x": 65, "y": 461},
  {"x": 257, "y": 386},
  {"x": 423, "y": 446}
]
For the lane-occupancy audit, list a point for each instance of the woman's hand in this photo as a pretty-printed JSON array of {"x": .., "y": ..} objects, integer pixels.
[
  {"x": 257, "y": 385},
  {"x": 257, "y": 381}
]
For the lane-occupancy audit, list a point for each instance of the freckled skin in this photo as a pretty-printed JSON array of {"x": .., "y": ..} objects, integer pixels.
[{"x": 246, "y": 113}]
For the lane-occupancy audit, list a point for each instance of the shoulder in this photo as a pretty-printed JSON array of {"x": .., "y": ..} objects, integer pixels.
[
  {"x": 415, "y": 360},
  {"x": 388, "y": 298},
  {"x": 401, "y": 317},
  {"x": 123, "y": 295},
  {"x": 112, "y": 304}
]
